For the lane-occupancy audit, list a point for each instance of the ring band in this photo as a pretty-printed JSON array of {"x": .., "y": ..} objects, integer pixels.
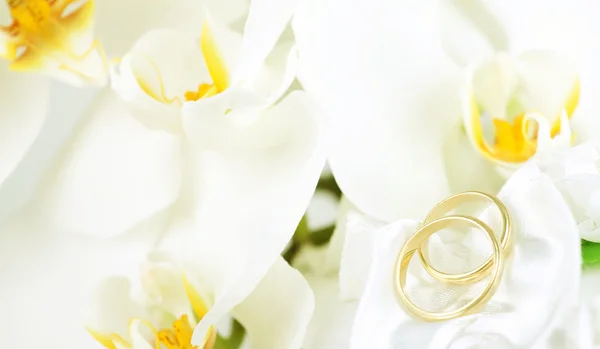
[
  {"x": 449, "y": 204},
  {"x": 436, "y": 221}
]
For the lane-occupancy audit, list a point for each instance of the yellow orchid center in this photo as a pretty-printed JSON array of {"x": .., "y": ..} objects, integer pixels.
[
  {"x": 215, "y": 65},
  {"x": 43, "y": 29},
  {"x": 179, "y": 336},
  {"x": 514, "y": 141}
]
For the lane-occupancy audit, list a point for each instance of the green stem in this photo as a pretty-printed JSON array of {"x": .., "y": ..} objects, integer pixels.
[
  {"x": 322, "y": 236},
  {"x": 291, "y": 252},
  {"x": 590, "y": 253},
  {"x": 329, "y": 184}
]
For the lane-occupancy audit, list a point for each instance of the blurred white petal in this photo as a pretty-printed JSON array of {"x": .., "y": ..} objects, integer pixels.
[
  {"x": 112, "y": 307},
  {"x": 331, "y": 324},
  {"x": 236, "y": 119},
  {"x": 115, "y": 173},
  {"x": 384, "y": 85},
  {"x": 466, "y": 168},
  {"x": 493, "y": 82},
  {"x": 469, "y": 30},
  {"x": 228, "y": 11},
  {"x": 557, "y": 27},
  {"x": 154, "y": 75},
  {"x": 266, "y": 187},
  {"x": 585, "y": 122},
  {"x": 120, "y": 23},
  {"x": 266, "y": 21},
  {"x": 276, "y": 314},
  {"x": 24, "y": 100},
  {"x": 226, "y": 120},
  {"x": 278, "y": 72},
  {"x": 547, "y": 82},
  {"x": 357, "y": 255},
  {"x": 336, "y": 243},
  {"x": 62, "y": 271}
]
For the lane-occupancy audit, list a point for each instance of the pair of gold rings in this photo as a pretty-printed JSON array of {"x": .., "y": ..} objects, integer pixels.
[{"x": 437, "y": 220}]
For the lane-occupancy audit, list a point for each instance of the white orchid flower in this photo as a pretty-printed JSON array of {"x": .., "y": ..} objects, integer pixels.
[
  {"x": 536, "y": 305},
  {"x": 175, "y": 301},
  {"x": 69, "y": 41},
  {"x": 193, "y": 124},
  {"x": 228, "y": 271},
  {"x": 433, "y": 97},
  {"x": 62, "y": 270},
  {"x": 54, "y": 38},
  {"x": 50, "y": 38}
]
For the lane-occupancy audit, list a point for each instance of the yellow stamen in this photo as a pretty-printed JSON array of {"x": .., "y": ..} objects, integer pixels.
[
  {"x": 43, "y": 29},
  {"x": 214, "y": 60},
  {"x": 216, "y": 68},
  {"x": 177, "y": 337},
  {"x": 159, "y": 95},
  {"x": 214, "y": 63},
  {"x": 103, "y": 339},
  {"x": 203, "y": 92},
  {"x": 198, "y": 304},
  {"x": 109, "y": 341},
  {"x": 570, "y": 106},
  {"x": 515, "y": 142}
]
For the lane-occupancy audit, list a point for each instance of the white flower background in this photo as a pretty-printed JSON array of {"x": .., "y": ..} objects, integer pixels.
[{"x": 226, "y": 174}]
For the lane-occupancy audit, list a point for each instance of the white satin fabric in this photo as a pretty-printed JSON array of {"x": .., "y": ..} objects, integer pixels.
[
  {"x": 576, "y": 174},
  {"x": 536, "y": 305}
]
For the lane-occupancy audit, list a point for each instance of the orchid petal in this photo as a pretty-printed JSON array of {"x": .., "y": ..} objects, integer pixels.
[
  {"x": 378, "y": 100},
  {"x": 112, "y": 307},
  {"x": 24, "y": 99},
  {"x": 228, "y": 12},
  {"x": 469, "y": 30},
  {"x": 357, "y": 254},
  {"x": 117, "y": 28},
  {"x": 585, "y": 122},
  {"x": 276, "y": 314},
  {"x": 558, "y": 27},
  {"x": 154, "y": 75},
  {"x": 236, "y": 119},
  {"x": 267, "y": 189},
  {"x": 549, "y": 83},
  {"x": 335, "y": 248},
  {"x": 115, "y": 173},
  {"x": 331, "y": 324},
  {"x": 466, "y": 169},
  {"x": 63, "y": 269},
  {"x": 266, "y": 22},
  {"x": 278, "y": 73}
]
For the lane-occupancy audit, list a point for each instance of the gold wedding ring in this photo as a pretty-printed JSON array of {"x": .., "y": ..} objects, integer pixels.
[{"x": 437, "y": 220}]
